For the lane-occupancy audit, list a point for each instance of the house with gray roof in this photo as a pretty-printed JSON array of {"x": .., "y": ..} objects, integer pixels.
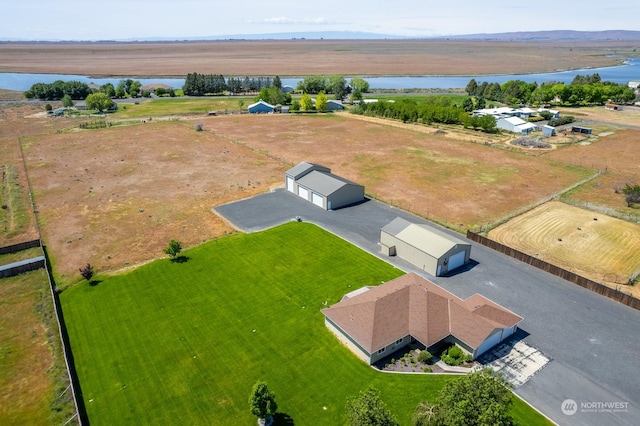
[
  {"x": 374, "y": 322},
  {"x": 316, "y": 184},
  {"x": 430, "y": 249}
]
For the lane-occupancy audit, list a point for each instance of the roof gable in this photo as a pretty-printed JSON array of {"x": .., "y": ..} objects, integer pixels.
[
  {"x": 422, "y": 237},
  {"x": 323, "y": 183},
  {"x": 413, "y": 305}
]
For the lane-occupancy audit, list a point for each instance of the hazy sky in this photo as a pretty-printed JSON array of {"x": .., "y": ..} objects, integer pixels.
[{"x": 121, "y": 19}]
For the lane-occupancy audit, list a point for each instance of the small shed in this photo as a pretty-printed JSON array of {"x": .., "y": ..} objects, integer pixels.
[
  {"x": 613, "y": 107},
  {"x": 316, "y": 184},
  {"x": 426, "y": 247},
  {"x": 261, "y": 107},
  {"x": 580, "y": 129},
  {"x": 548, "y": 131}
]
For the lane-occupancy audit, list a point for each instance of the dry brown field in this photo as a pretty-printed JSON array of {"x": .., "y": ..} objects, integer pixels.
[
  {"x": 589, "y": 244},
  {"x": 115, "y": 197},
  {"x": 619, "y": 155},
  {"x": 307, "y": 57},
  {"x": 459, "y": 183},
  {"x": 628, "y": 116}
]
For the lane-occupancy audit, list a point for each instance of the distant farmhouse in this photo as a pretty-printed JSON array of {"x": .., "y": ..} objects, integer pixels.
[
  {"x": 426, "y": 247},
  {"x": 316, "y": 184},
  {"x": 513, "y": 119},
  {"x": 374, "y": 322}
]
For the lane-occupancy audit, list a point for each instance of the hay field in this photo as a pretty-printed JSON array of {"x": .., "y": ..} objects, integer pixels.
[
  {"x": 115, "y": 197},
  {"x": 307, "y": 57},
  {"x": 593, "y": 245}
]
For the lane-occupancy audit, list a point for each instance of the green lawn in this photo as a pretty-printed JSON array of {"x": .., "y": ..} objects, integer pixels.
[
  {"x": 185, "y": 342},
  {"x": 177, "y": 106}
]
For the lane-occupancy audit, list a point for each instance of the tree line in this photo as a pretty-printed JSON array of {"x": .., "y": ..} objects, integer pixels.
[
  {"x": 214, "y": 84},
  {"x": 426, "y": 113},
  {"x": 77, "y": 90},
  {"x": 582, "y": 91}
]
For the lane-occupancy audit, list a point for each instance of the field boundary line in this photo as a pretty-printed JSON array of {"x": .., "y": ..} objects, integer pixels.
[
  {"x": 555, "y": 196},
  {"x": 64, "y": 341}
]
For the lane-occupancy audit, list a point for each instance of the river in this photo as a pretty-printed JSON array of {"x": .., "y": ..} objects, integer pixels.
[{"x": 621, "y": 74}]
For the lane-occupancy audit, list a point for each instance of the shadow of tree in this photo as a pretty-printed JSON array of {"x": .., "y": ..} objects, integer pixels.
[
  {"x": 180, "y": 259},
  {"x": 94, "y": 283},
  {"x": 282, "y": 419}
]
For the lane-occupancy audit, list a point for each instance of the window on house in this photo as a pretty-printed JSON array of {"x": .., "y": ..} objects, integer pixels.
[
  {"x": 381, "y": 351},
  {"x": 399, "y": 341}
]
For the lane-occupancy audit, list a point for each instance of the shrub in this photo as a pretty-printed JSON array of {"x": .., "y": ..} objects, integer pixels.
[
  {"x": 449, "y": 360},
  {"x": 560, "y": 121},
  {"x": 468, "y": 358},
  {"x": 427, "y": 370},
  {"x": 393, "y": 360},
  {"x": 455, "y": 352},
  {"x": 48, "y": 107},
  {"x": 425, "y": 357},
  {"x": 199, "y": 127}
]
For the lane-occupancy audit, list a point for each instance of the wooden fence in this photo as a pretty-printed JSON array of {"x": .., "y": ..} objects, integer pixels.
[
  {"x": 594, "y": 286},
  {"x": 19, "y": 247}
]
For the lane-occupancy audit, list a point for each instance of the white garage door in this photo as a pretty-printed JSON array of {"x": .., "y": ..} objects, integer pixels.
[
  {"x": 303, "y": 192},
  {"x": 289, "y": 184},
  {"x": 489, "y": 343},
  {"x": 456, "y": 261},
  {"x": 317, "y": 199}
]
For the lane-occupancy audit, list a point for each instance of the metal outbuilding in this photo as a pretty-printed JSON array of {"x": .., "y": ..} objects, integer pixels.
[
  {"x": 548, "y": 130},
  {"x": 316, "y": 184},
  {"x": 426, "y": 247},
  {"x": 261, "y": 107}
]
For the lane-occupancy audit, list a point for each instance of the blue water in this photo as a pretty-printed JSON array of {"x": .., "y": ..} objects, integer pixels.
[{"x": 619, "y": 74}]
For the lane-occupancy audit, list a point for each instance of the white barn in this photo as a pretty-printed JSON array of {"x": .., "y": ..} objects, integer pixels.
[{"x": 316, "y": 184}]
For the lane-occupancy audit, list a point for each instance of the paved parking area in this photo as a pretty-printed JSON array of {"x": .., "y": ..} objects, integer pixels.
[
  {"x": 592, "y": 340},
  {"x": 516, "y": 360}
]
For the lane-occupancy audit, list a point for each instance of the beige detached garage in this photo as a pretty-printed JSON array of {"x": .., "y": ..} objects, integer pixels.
[
  {"x": 316, "y": 184},
  {"x": 428, "y": 248}
]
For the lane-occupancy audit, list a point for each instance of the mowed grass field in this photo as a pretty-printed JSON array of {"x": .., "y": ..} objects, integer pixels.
[
  {"x": 181, "y": 106},
  {"x": 184, "y": 343},
  {"x": 591, "y": 244}
]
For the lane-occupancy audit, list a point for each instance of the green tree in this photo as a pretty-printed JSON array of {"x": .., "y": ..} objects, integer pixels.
[
  {"x": 262, "y": 401},
  {"x": 480, "y": 398},
  {"x": 67, "y": 102},
  {"x": 277, "y": 83},
  {"x": 173, "y": 249},
  {"x": 356, "y": 95},
  {"x": 322, "y": 102},
  {"x": 337, "y": 85},
  {"x": 472, "y": 87},
  {"x": 467, "y": 104},
  {"x": 313, "y": 84},
  {"x": 305, "y": 102},
  {"x": 359, "y": 84},
  {"x": 87, "y": 272},
  {"x": 99, "y": 101},
  {"x": 108, "y": 89},
  {"x": 632, "y": 194},
  {"x": 121, "y": 92},
  {"x": 367, "y": 409}
]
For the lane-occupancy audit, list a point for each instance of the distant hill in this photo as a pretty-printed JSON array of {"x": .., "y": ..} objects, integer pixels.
[
  {"x": 554, "y": 35},
  {"x": 317, "y": 35}
]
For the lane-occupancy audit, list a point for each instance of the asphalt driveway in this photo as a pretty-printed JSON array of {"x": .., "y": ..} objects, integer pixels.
[{"x": 593, "y": 341}]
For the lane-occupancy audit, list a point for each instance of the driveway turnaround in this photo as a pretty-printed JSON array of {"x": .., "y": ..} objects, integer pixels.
[{"x": 593, "y": 342}]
